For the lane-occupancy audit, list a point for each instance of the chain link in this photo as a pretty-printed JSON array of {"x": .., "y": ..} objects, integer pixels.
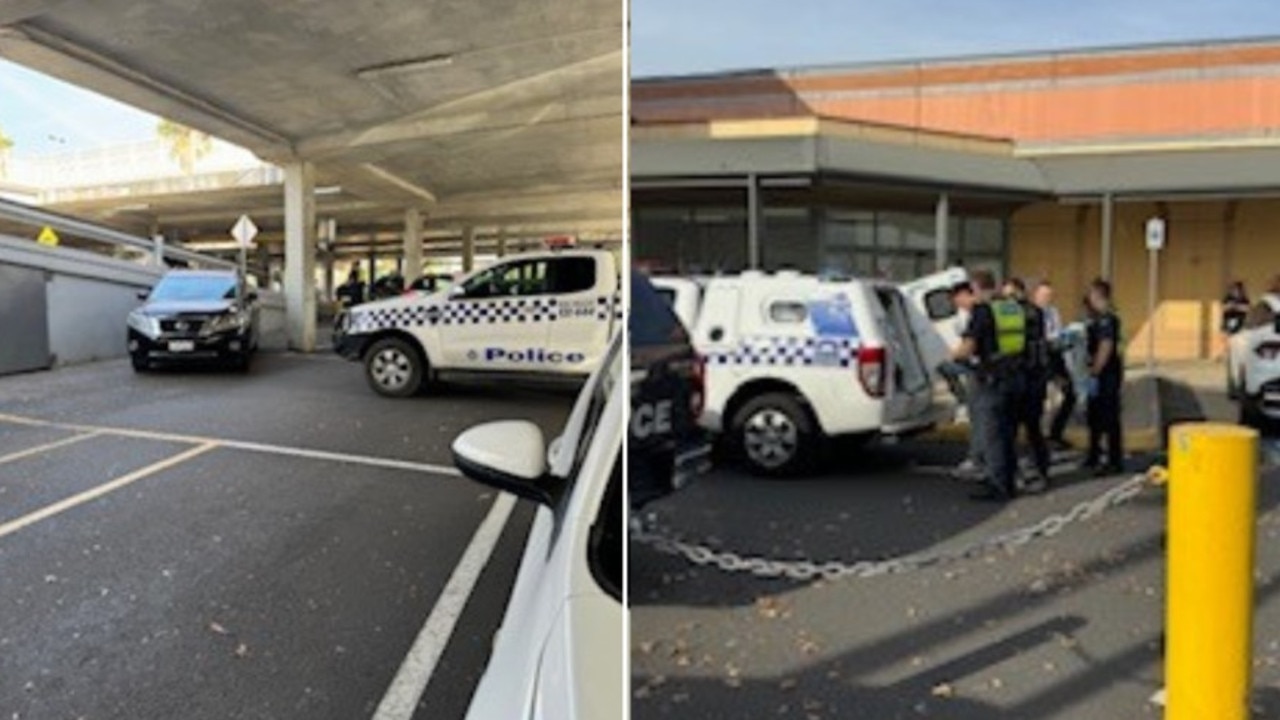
[{"x": 804, "y": 570}]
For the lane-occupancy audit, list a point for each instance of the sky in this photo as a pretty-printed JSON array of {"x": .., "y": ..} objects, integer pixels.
[
  {"x": 674, "y": 37},
  {"x": 43, "y": 115}
]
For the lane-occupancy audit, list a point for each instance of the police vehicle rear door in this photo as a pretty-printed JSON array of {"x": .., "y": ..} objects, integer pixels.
[
  {"x": 586, "y": 296},
  {"x": 498, "y": 319},
  {"x": 910, "y": 393}
]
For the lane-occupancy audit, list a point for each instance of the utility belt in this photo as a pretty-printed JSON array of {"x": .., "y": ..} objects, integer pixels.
[{"x": 999, "y": 369}]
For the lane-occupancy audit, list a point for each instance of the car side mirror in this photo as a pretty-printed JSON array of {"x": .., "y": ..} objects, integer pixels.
[
  {"x": 509, "y": 455},
  {"x": 456, "y": 292},
  {"x": 144, "y": 294}
]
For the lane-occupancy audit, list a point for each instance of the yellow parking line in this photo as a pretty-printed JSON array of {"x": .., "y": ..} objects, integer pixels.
[
  {"x": 96, "y": 492},
  {"x": 47, "y": 447}
]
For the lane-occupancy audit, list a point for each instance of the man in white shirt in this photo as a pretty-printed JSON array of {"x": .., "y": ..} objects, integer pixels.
[{"x": 1058, "y": 373}]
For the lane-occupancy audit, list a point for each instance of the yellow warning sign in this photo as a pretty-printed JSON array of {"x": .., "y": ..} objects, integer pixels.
[{"x": 48, "y": 237}]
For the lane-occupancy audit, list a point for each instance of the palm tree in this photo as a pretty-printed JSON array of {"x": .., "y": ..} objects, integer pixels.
[
  {"x": 6, "y": 144},
  {"x": 186, "y": 145}
]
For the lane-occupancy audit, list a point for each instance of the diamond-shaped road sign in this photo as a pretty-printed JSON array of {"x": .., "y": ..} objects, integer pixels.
[{"x": 244, "y": 231}]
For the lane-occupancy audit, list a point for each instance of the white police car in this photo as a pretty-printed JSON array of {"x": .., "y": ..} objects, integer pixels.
[
  {"x": 792, "y": 359},
  {"x": 1253, "y": 362},
  {"x": 543, "y": 313},
  {"x": 558, "y": 654}
]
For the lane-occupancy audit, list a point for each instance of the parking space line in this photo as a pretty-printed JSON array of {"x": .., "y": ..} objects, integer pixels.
[
  {"x": 94, "y": 493},
  {"x": 415, "y": 672},
  {"x": 47, "y": 447},
  {"x": 372, "y": 461}
]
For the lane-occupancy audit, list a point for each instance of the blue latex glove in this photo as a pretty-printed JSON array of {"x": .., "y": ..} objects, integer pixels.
[{"x": 1091, "y": 387}]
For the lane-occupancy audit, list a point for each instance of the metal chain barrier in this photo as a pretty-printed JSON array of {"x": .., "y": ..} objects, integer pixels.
[{"x": 805, "y": 570}]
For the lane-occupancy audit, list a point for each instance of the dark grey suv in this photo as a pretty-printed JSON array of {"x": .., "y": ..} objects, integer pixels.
[{"x": 195, "y": 315}]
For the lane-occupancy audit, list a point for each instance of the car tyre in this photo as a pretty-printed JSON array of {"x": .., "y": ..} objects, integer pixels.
[
  {"x": 1251, "y": 416},
  {"x": 140, "y": 363},
  {"x": 240, "y": 363},
  {"x": 775, "y": 435},
  {"x": 395, "y": 368}
]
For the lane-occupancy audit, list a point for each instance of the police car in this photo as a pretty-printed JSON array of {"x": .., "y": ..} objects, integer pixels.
[
  {"x": 792, "y": 359},
  {"x": 546, "y": 313},
  {"x": 1254, "y": 364},
  {"x": 558, "y": 654}
]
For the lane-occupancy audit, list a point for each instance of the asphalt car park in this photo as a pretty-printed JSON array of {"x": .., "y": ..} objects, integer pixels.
[
  {"x": 197, "y": 543},
  {"x": 1065, "y": 626}
]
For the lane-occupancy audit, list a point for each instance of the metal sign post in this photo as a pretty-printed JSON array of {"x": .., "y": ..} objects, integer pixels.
[
  {"x": 1155, "y": 243},
  {"x": 244, "y": 231}
]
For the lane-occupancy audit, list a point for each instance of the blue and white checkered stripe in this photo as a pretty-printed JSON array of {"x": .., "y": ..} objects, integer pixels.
[
  {"x": 789, "y": 351},
  {"x": 491, "y": 312}
]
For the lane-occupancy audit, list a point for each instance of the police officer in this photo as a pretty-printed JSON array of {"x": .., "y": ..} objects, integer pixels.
[
  {"x": 1059, "y": 373},
  {"x": 995, "y": 342},
  {"x": 1034, "y": 386},
  {"x": 1106, "y": 378}
]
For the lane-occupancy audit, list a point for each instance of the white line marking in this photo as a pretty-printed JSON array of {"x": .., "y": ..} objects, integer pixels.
[
  {"x": 93, "y": 493},
  {"x": 47, "y": 447},
  {"x": 415, "y": 672},
  {"x": 245, "y": 445}
]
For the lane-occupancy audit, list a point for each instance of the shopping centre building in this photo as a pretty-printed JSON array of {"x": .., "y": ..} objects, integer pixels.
[{"x": 1040, "y": 165}]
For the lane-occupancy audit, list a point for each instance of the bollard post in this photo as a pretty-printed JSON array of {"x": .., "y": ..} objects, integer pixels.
[{"x": 1213, "y": 479}]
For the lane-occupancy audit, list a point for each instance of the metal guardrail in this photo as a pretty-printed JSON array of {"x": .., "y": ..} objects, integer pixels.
[{"x": 90, "y": 231}]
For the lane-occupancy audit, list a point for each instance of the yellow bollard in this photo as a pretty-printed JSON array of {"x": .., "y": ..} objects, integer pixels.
[{"x": 1213, "y": 479}]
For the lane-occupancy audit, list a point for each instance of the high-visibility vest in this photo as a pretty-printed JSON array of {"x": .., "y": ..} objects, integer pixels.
[{"x": 1011, "y": 327}]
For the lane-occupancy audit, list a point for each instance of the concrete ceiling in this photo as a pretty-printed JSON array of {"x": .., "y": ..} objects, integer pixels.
[{"x": 475, "y": 110}]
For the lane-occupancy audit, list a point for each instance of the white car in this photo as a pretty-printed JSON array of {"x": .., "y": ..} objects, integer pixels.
[
  {"x": 791, "y": 359},
  {"x": 1253, "y": 361},
  {"x": 559, "y": 652},
  {"x": 545, "y": 313}
]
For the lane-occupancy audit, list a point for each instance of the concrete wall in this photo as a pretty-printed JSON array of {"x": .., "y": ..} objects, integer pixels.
[
  {"x": 1209, "y": 244},
  {"x": 89, "y": 295}
]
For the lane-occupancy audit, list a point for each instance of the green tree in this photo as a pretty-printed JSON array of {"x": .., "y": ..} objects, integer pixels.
[
  {"x": 6, "y": 145},
  {"x": 186, "y": 145}
]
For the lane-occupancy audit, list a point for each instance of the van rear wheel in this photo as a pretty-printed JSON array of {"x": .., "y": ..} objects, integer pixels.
[
  {"x": 774, "y": 435},
  {"x": 394, "y": 368}
]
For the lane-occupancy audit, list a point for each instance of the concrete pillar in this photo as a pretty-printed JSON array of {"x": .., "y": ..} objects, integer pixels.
[
  {"x": 300, "y": 255},
  {"x": 373, "y": 260},
  {"x": 941, "y": 223},
  {"x": 753, "y": 221},
  {"x": 468, "y": 249},
  {"x": 1108, "y": 223},
  {"x": 329, "y": 234},
  {"x": 502, "y": 243},
  {"x": 412, "y": 245}
]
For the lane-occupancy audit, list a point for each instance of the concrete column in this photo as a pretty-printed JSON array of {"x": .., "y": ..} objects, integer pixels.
[
  {"x": 264, "y": 266},
  {"x": 412, "y": 245},
  {"x": 373, "y": 261},
  {"x": 468, "y": 249},
  {"x": 300, "y": 255},
  {"x": 502, "y": 243},
  {"x": 753, "y": 221},
  {"x": 1108, "y": 223},
  {"x": 329, "y": 232},
  {"x": 941, "y": 224}
]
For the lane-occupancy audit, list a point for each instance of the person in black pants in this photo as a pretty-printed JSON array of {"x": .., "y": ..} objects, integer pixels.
[
  {"x": 994, "y": 342},
  {"x": 1058, "y": 372},
  {"x": 1106, "y": 379},
  {"x": 1034, "y": 385}
]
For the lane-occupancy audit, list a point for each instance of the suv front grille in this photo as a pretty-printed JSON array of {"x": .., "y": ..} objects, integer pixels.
[{"x": 182, "y": 326}]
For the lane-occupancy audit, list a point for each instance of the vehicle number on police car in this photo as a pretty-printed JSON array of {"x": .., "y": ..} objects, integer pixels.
[{"x": 181, "y": 346}]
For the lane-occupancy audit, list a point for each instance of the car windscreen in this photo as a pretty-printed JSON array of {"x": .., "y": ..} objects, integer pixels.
[
  {"x": 181, "y": 288},
  {"x": 651, "y": 321}
]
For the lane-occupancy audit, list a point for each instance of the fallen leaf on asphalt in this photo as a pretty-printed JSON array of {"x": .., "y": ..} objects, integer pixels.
[
  {"x": 242, "y": 650},
  {"x": 215, "y": 627},
  {"x": 943, "y": 690}
]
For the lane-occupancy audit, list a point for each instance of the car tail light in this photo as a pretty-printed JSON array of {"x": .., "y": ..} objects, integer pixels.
[
  {"x": 1268, "y": 350},
  {"x": 871, "y": 369},
  {"x": 698, "y": 393}
]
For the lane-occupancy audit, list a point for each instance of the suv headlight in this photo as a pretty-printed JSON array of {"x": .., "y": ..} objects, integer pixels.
[
  {"x": 231, "y": 322},
  {"x": 144, "y": 324}
]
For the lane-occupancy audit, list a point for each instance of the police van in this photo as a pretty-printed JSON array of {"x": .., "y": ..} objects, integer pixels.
[
  {"x": 547, "y": 313},
  {"x": 792, "y": 359}
]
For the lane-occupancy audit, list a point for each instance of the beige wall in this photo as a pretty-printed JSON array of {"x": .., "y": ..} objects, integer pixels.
[{"x": 1209, "y": 243}]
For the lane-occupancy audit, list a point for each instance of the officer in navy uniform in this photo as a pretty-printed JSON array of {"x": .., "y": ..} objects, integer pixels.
[
  {"x": 995, "y": 342},
  {"x": 1106, "y": 379}
]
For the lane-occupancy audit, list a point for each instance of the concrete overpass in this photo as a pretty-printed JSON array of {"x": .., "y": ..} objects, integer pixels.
[{"x": 451, "y": 118}]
